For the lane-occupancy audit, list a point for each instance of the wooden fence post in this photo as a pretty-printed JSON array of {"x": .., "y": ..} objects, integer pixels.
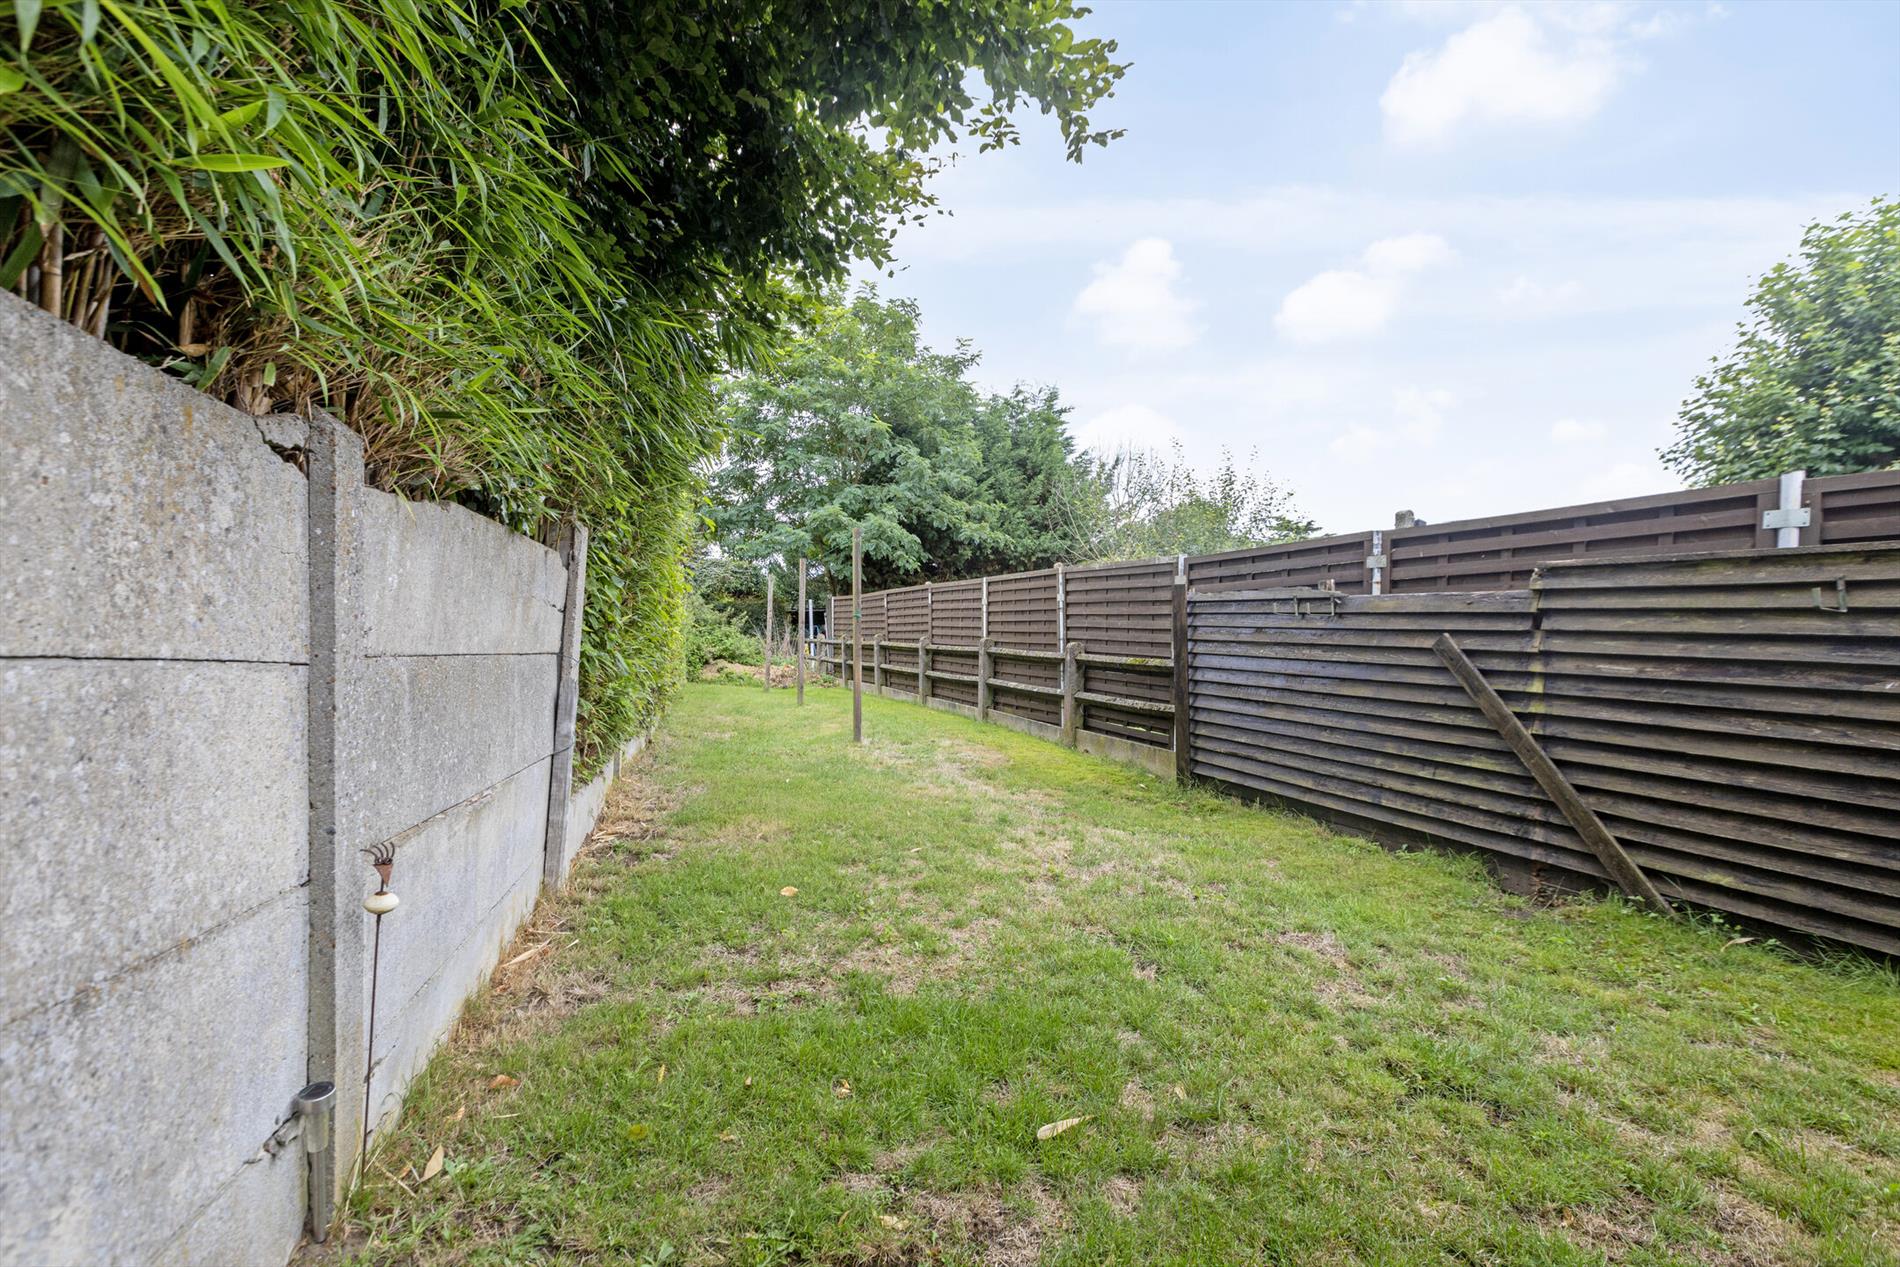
[
  {"x": 983, "y": 680},
  {"x": 877, "y": 666},
  {"x": 923, "y": 670},
  {"x": 768, "y": 631},
  {"x": 1071, "y": 682},
  {"x": 801, "y": 629},
  {"x": 857, "y": 637},
  {"x": 1622, "y": 868}
]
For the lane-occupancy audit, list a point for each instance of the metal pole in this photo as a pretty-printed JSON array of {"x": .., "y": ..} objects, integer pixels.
[
  {"x": 857, "y": 636},
  {"x": 1790, "y": 518},
  {"x": 802, "y": 627}
]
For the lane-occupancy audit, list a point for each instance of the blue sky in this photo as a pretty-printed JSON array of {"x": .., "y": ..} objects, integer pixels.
[{"x": 1455, "y": 258}]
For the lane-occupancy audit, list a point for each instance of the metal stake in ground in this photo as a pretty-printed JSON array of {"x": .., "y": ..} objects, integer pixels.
[
  {"x": 801, "y": 629},
  {"x": 857, "y": 637},
  {"x": 380, "y": 903},
  {"x": 1628, "y": 876}
]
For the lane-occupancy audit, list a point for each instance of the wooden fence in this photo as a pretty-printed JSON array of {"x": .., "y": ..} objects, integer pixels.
[
  {"x": 1733, "y": 719},
  {"x": 1732, "y": 715}
]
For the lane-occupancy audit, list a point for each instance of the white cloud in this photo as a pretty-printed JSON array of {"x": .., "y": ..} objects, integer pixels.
[
  {"x": 1626, "y": 479},
  {"x": 1527, "y": 294},
  {"x": 1353, "y": 303},
  {"x": 1577, "y": 431},
  {"x": 1418, "y": 418},
  {"x": 1133, "y": 301},
  {"x": 1131, "y": 426},
  {"x": 1506, "y": 68}
]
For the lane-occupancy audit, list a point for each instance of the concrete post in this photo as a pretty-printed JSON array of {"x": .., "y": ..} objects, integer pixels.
[
  {"x": 877, "y": 666},
  {"x": 983, "y": 670},
  {"x": 338, "y": 1008},
  {"x": 572, "y": 547},
  {"x": 923, "y": 670},
  {"x": 1071, "y": 683}
]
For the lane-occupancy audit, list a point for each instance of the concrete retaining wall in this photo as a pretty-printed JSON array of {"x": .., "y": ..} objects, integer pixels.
[{"x": 227, "y": 668}]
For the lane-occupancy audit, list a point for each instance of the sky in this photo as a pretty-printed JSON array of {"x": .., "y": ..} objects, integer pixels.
[{"x": 1455, "y": 258}]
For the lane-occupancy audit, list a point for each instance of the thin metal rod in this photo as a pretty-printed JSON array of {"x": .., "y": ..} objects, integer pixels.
[{"x": 369, "y": 1059}]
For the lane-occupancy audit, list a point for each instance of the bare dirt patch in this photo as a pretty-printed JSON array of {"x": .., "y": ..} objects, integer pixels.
[{"x": 1003, "y": 1233}]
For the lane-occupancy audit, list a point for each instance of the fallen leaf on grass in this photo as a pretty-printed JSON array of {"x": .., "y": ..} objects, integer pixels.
[
  {"x": 727, "y": 1137},
  {"x": 459, "y": 1115},
  {"x": 788, "y": 891},
  {"x": 434, "y": 1167},
  {"x": 842, "y": 1090},
  {"x": 1180, "y": 1092},
  {"x": 501, "y": 1082},
  {"x": 893, "y": 1222},
  {"x": 660, "y": 1077},
  {"x": 1736, "y": 941},
  {"x": 1053, "y": 1129}
]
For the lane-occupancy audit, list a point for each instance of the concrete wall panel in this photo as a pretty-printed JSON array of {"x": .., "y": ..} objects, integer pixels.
[
  {"x": 467, "y": 882},
  {"x": 126, "y": 1110},
  {"x": 141, "y": 802},
  {"x": 439, "y": 579},
  {"x": 445, "y": 728},
  {"x": 138, "y": 517}
]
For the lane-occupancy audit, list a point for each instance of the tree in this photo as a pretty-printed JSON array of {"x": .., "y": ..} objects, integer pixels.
[
  {"x": 1148, "y": 506},
  {"x": 858, "y": 423},
  {"x": 726, "y": 146},
  {"x": 1814, "y": 381}
]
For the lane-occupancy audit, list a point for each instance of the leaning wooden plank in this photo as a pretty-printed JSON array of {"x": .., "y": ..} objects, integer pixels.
[{"x": 1626, "y": 874}]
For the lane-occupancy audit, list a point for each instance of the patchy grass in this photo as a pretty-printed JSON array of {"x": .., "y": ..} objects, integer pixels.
[{"x": 1290, "y": 1046}]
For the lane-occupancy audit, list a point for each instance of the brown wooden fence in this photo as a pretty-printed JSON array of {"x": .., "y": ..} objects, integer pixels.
[
  {"x": 1733, "y": 719},
  {"x": 1731, "y": 714}
]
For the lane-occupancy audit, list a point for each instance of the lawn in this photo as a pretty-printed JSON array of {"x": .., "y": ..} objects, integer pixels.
[{"x": 812, "y": 1004}]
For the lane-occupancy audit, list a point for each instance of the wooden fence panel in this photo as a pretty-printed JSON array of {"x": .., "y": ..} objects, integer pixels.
[
  {"x": 906, "y": 619},
  {"x": 1853, "y": 508},
  {"x": 956, "y": 619},
  {"x": 1499, "y": 553},
  {"x": 1125, "y": 609},
  {"x": 1023, "y": 618},
  {"x": 1340, "y": 561},
  {"x": 1731, "y": 717}
]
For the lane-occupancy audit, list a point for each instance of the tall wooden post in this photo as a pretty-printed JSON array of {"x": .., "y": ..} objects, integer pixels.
[
  {"x": 768, "y": 631},
  {"x": 857, "y": 636},
  {"x": 802, "y": 627}
]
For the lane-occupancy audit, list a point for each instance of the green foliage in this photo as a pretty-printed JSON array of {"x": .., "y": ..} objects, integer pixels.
[
  {"x": 858, "y": 423},
  {"x": 511, "y": 244},
  {"x": 712, "y": 635},
  {"x": 1814, "y": 382},
  {"x": 726, "y": 140},
  {"x": 1147, "y": 505}
]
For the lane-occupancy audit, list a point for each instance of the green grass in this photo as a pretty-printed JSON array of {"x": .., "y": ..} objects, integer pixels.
[{"x": 1292, "y": 1046}]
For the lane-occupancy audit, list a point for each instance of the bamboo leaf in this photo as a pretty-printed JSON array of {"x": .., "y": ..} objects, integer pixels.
[
  {"x": 27, "y": 14},
  {"x": 231, "y": 162}
]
